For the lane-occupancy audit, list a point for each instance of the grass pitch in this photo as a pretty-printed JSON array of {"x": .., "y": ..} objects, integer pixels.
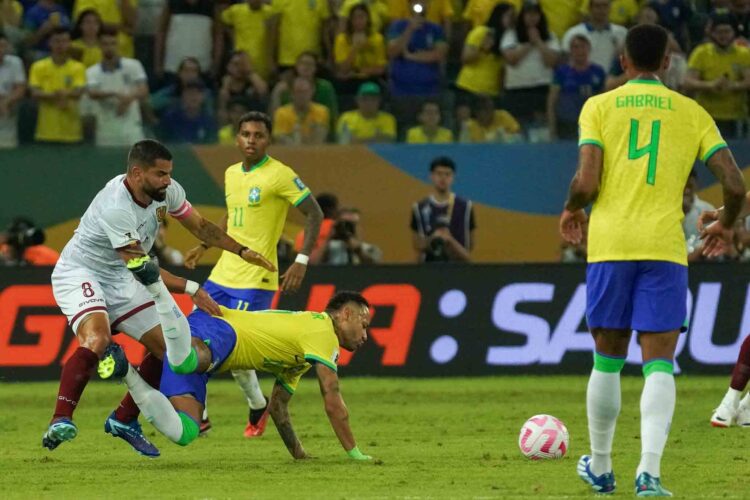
[{"x": 433, "y": 438}]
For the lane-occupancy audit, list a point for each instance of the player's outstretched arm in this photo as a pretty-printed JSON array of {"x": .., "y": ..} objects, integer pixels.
[
  {"x": 583, "y": 190},
  {"x": 292, "y": 278},
  {"x": 212, "y": 235},
  {"x": 194, "y": 254},
  {"x": 718, "y": 238},
  {"x": 278, "y": 407},
  {"x": 336, "y": 410}
]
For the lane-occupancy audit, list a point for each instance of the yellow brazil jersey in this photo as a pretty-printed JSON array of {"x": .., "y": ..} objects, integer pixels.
[
  {"x": 483, "y": 75},
  {"x": 650, "y": 137},
  {"x": 53, "y": 122},
  {"x": 711, "y": 63},
  {"x": 283, "y": 343},
  {"x": 90, "y": 54},
  {"x": 250, "y": 33},
  {"x": 363, "y": 129},
  {"x": 257, "y": 203},
  {"x": 300, "y": 27},
  {"x": 417, "y": 135},
  {"x": 479, "y": 11},
  {"x": 562, "y": 14},
  {"x": 109, "y": 11},
  {"x": 622, "y": 12},
  {"x": 369, "y": 56},
  {"x": 286, "y": 121}
]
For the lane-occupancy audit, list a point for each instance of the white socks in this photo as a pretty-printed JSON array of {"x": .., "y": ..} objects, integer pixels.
[
  {"x": 154, "y": 405},
  {"x": 732, "y": 398},
  {"x": 602, "y": 409},
  {"x": 174, "y": 324},
  {"x": 657, "y": 407},
  {"x": 248, "y": 381}
]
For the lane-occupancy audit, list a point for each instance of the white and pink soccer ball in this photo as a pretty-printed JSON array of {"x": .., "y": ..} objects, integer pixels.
[{"x": 543, "y": 437}]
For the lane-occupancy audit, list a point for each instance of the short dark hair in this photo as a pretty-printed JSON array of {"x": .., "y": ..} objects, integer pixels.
[
  {"x": 343, "y": 298},
  {"x": 442, "y": 161},
  {"x": 329, "y": 204},
  {"x": 721, "y": 18},
  {"x": 145, "y": 153},
  {"x": 646, "y": 45},
  {"x": 107, "y": 30},
  {"x": 255, "y": 116}
]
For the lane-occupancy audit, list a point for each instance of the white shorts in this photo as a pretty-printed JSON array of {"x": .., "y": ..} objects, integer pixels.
[{"x": 79, "y": 292}]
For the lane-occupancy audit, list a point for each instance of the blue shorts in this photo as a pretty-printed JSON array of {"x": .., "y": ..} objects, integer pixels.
[
  {"x": 250, "y": 299},
  {"x": 220, "y": 339},
  {"x": 644, "y": 295}
]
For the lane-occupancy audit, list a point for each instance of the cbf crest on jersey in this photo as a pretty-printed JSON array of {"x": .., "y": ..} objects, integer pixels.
[
  {"x": 254, "y": 196},
  {"x": 161, "y": 213}
]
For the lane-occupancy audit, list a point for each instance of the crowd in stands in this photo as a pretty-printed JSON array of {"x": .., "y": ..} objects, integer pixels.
[{"x": 347, "y": 71}]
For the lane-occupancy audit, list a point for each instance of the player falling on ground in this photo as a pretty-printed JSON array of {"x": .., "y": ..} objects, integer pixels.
[
  {"x": 638, "y": 144},
  {"x": 259, "y": 191},
  {"x": 283, "y": 343},
  {"x": 94, "y": 282}
]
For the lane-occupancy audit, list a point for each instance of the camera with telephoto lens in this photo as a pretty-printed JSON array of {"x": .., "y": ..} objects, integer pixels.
[
  {"x": 343, "y": 230},
  {"x": 436, "y": 251},
  {"x": 23, "y": 233}
]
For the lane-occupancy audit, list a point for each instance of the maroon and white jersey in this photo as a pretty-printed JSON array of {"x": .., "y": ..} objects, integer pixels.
[{"x": 115, "y": 219}]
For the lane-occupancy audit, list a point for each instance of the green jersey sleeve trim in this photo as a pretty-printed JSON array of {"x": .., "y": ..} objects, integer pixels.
[
  {"x": 713, "y": 150},
  {"x": 286, "y": 387},
  {"x": 593, "y": 142},
  {"x": 317, "y": 359},
  {"x": 302, "y": 198}
]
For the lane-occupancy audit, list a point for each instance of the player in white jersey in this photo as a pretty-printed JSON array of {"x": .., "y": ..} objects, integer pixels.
[{"x": 99, "y": 282}]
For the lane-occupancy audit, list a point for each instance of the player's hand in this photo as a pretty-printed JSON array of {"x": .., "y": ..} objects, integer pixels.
[
  {"x": 707, "y": 217},
  {"x": 193, "y": 256},
  {"x": 717, "y": 240},
  {"x": 355, "y": 454},
  {"x": 204, "y": 302},
  {"x": 253, "y": 257},
  {"x": 292, "y": 278},
  {"x": 571, "y": 226}
]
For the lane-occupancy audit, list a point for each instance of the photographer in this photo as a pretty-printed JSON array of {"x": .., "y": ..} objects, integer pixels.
[
  {"x": 21, "y": 245},
  {"x": 443, "y": 223},
  {"x": 345, "y": 245}
]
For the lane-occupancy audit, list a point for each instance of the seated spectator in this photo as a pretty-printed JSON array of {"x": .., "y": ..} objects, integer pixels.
[
  {"x": 345, "y": 245},
  {"x": 119, "y": 16},
  {"x": 530, "y": 50},
  {"x": 692, "y": 207},
  {"x": 380, "y": 13},
  {"x": 417, "y": 50},
  {"x": 40, "y": 21},
  {"x": 359, "y": 52},
  {"x": 439, "y": 12},
  {"x": 249, "y": 25},
  {"x": 85, "y": 46},
  {"x": 235, "y": 109},
  {"x": 186, "y": 30},
  {"x": 116, "y": 85},
  {"x": 572, "y": 85},
  {"x": 189, "y": 122},
  {"x": 606, "y": 39},
  {"x": 57, "y": 83},
  {"x": 189, "y": 70},
  {"x": 302, "y": 121},
  {"x": 241, "y": 82},
  {"x": 306, "y": 67},
  {"x": 490, "y": 125},
  {"x": 482, "y": 62},
  {"x": 299, "y": 27},
  {"x": 12, "y": 90},
  {"x": 719, "y": 74},
  {"x": 429, "y": 130},
  {"x": 329, "y": 205},
  {"x": 367, "y": 124},
  {"x": 442, "y": 224},
  {"x": 675, "y": 15}
]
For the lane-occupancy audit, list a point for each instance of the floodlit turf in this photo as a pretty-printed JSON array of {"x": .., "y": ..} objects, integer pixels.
[{"x": 446, "y": 438}]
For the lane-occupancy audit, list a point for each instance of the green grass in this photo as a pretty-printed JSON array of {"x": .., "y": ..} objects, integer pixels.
[{"x": 433, "y": 438}]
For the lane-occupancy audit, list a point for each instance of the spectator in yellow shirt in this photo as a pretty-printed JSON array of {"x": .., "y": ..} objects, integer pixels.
[
  {"x": 302, "y": 121},
  {"x": 719, "y": 74},
  {"x": 490, "y": 125},
  {"x": 477, "y": 12},
  {"x": 359, "y": 52},
  {"x": 57, "y": 83},
  {"x": 119, "y": 15},
  {"x": 622, "y": 12},
  {"x": 429, "y": 130},
  {"x": 85, "y": 46},
  {"x": 367, "y": 124},
  {"x": 561, "y": 14},
  {"x": 235, "y": 109},
  {"x": 249, "y": 24},
  {"x": 300, "y": 26}
]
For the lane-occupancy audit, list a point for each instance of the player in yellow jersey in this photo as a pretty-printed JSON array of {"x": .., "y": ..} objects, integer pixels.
[
  {"x": 638, "y": 144},
  {"x": 259, "y": 191},
  {"x": 283, "y": 343}
]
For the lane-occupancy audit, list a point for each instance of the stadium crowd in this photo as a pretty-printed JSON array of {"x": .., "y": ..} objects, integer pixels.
[{"x": 346, "y": 71}]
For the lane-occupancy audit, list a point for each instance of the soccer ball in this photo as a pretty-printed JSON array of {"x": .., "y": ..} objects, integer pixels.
[{"x": 543, "y": 436}]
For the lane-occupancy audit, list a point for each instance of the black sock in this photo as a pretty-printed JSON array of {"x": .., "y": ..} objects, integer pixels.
[{"x": 256, "y": 414}]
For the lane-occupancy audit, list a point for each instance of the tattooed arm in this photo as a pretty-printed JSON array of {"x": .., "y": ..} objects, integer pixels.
[
  {"x": 336, "y": 410},
  {"x": 278, "y": 407}
]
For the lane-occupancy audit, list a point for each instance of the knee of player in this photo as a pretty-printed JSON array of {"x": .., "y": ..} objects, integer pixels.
[
  {"x": 97, "y": 341},
  {"x": 190, "y": 429}
]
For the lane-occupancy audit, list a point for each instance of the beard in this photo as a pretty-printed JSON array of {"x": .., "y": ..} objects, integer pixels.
[{"x": 156, "y": 194}]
